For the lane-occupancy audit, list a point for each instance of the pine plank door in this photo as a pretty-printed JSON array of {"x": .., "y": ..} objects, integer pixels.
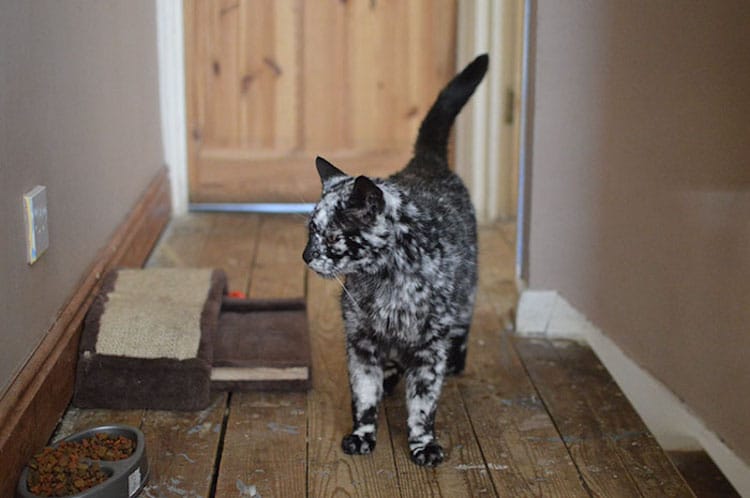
[{"x": 273, "y": 83}]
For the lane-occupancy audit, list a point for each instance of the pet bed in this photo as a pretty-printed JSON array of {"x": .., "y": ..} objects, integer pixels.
[{"x": 164, "y": 338}]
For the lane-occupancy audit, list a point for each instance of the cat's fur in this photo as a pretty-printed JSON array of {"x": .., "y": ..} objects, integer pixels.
[{"x": 407, "y": 247}]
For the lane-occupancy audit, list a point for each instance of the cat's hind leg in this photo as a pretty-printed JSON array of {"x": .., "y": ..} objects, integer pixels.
[
  {"x": 457, "y": 345},
  {"x": 458, "y": 337},
  {"x": 392, "y": 373},
  {"x": 366, "y": 383}
]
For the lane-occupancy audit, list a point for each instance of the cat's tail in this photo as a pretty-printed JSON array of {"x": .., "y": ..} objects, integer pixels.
[{"x": 436, "y": 127}]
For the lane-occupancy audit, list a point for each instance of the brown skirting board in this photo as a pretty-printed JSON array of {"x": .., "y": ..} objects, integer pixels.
[{"x": 39, "y": 395}]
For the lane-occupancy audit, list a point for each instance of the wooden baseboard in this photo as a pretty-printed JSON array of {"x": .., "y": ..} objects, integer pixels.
[{"x": 38, "y": 396}]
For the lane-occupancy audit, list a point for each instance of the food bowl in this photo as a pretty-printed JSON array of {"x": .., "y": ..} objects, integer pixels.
[{"x": 127, "y": 477}]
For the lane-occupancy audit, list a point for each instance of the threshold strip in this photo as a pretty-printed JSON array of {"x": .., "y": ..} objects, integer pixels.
[{"x": 236, "y": 207}]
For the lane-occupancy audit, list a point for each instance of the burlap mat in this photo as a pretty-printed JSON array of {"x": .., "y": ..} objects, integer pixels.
[{"x": 154, "y": 313}]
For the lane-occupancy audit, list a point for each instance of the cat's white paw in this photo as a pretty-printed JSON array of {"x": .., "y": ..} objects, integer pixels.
[
  {"x": 429, "y": 455},
  {"x": 354, "y": 444}
]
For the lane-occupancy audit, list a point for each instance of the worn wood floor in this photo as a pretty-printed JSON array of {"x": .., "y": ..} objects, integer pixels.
[{"x": 527, "y": 418}]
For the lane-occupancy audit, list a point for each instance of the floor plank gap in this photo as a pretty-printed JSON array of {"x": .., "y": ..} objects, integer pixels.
[{"x": 220, "y": 449}]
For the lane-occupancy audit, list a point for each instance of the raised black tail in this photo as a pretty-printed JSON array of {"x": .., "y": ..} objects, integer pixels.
[{"x": 436, "y": 127}]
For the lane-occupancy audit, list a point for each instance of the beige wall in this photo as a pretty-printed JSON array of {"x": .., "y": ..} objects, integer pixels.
[
  {"x": 640, "y": 196},
  {"x": 79, "y": 113}
]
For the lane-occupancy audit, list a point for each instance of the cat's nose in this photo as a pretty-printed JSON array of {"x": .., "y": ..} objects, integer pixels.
[{"x": 309, "y": 254}]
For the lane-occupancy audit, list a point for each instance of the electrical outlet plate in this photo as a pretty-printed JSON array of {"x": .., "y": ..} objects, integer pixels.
[{"x": 37, "y": 234}]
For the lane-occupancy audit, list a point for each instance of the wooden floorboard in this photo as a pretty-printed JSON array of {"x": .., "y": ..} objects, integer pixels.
[
  {"x": 265, "y": 445},
  {"x": 591, "y": 450},
  {"x": 523, "y": 452},
  {"x": 182, "y": 449},
  {"x": 183, "y": 242},
  {"x": 613, "y": 450},
  {"x": 232, "y": 246},
  {"x": 520, "y": 421},
  {"x": 331, "y": 472},
  {"x": 79, "y": 419},
  {"x": 278, "y": 270},
  {"x": 186, "y": 445},
  {"x": 463, "y": 473},
  {"x": 702, "y": 474}
]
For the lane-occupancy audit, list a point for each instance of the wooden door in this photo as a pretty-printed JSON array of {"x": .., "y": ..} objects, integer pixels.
[{"x": 273, "y": 83}]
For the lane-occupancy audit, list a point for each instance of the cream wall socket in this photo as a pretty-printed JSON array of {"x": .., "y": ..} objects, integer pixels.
[{"x": 37, "y": 234}]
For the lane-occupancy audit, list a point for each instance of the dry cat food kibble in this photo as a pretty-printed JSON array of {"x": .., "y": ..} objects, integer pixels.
[{"x": 69, "y": 469}]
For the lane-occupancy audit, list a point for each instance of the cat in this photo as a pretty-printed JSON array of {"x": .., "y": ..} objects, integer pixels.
[{"x": 407, "y": 247}]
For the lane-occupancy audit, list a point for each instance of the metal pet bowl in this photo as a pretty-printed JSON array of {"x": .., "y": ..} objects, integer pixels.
[{"x": 127, "y": 477}]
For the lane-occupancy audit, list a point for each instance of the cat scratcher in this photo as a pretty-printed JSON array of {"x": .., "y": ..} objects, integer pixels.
[{"x": 164, "y": 338}]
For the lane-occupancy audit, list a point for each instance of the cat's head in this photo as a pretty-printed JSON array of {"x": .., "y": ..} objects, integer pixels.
[{"x": 349, "y": 228}]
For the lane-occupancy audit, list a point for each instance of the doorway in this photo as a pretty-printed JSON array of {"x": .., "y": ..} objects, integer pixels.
[
  {"x": 271, "y": 84},
  {"x": 374, "y": 135}
]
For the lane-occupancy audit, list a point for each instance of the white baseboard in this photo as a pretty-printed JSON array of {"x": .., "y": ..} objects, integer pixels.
[{"x": 547, "y": 314}]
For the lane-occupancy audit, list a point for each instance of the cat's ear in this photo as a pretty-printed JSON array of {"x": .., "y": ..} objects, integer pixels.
[
  {"x": 366, "y": 196},
  {"x": 327, "y": 170}
]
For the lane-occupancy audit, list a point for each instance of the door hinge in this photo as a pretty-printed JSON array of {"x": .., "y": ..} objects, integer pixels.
[{"x": 510, "y": 106}]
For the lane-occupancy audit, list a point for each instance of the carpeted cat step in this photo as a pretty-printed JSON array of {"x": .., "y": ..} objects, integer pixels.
[
  {"x": 164, "y": 338},
  {"x": 262, "y": 344}
]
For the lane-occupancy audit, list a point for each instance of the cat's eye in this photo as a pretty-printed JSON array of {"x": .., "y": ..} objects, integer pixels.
[{"x": 331, "y": 239}]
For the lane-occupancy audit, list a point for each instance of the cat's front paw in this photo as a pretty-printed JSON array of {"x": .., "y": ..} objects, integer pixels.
[
  {"x": 429, "y": 455},
  {"x": 354, "y": 444}
]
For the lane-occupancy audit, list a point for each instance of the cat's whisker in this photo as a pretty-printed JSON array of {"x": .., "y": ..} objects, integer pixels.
[
  {"x": 304, "y": 217},
  {"x": 301, "y": 200},
  {"x": 349, "y": 294}
]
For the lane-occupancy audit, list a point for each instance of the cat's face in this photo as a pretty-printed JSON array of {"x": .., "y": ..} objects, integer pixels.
[{"x": 348, "y": 230}]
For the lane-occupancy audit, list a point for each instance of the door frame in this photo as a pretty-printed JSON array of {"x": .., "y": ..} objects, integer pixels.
[
  {"x": 478, "y": 156},
  {"x": 171, "y": 56},
  {"x": 488, "y": 131}
]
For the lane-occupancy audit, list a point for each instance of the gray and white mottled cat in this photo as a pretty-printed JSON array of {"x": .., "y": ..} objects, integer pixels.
[{"x": 407, "y": 248}]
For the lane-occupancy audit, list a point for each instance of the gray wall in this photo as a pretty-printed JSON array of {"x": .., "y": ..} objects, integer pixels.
[
  {"x": 640, "y": 202},
  {"x": 79, "y": 113}
]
